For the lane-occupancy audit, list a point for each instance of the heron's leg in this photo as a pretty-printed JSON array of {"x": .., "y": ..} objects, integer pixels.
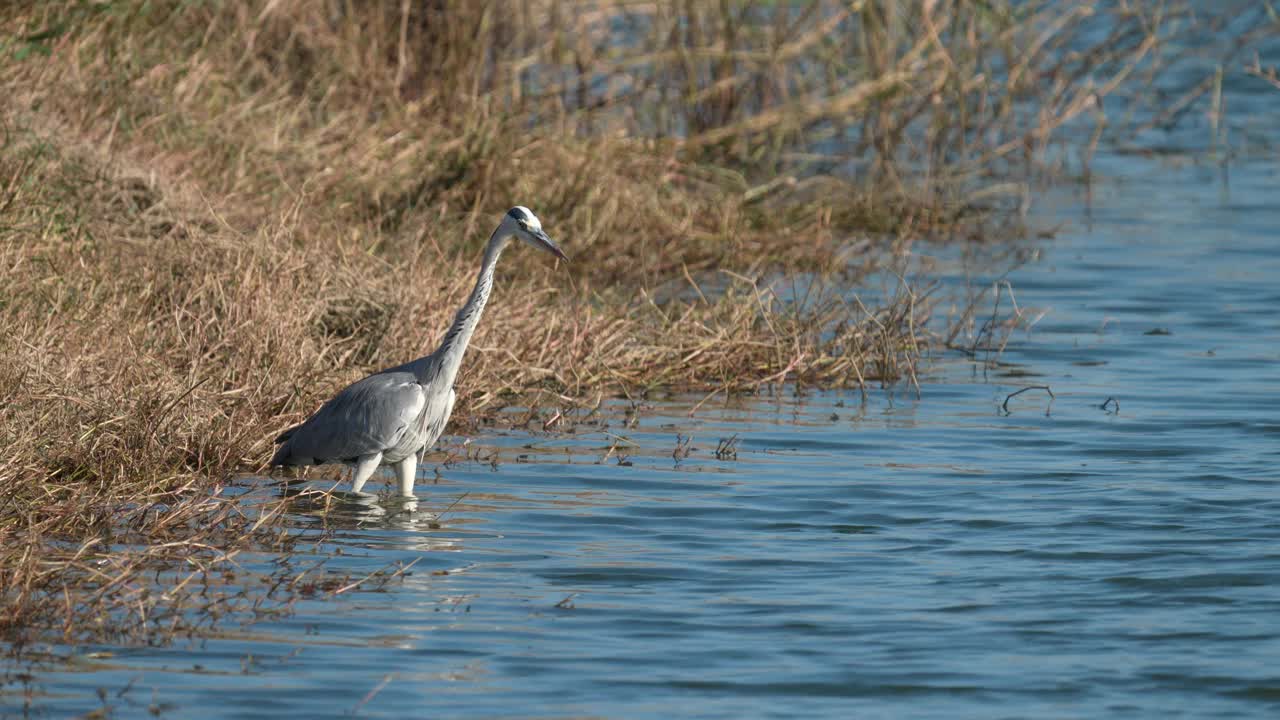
[
  {"x": 364, "y": 470},
  {"x": 406, "y": 473}
]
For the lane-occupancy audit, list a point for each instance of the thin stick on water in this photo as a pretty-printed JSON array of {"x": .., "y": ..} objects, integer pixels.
[
  {"x": 1005, "y": 405},
  {"x": 452, "y": 504},
  {"x": 357, "y": 583},
  {"x": 386, "y": 680}
]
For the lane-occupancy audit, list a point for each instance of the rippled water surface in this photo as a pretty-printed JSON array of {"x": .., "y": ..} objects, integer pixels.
[
  {"x": 891, "y": 557},
  {"x": 888, "y": 557}
]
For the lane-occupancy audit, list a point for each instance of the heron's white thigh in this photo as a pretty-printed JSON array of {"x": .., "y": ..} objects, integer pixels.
[
  {"x": 406, "y": 473},
  {"x": 364, "y": 470}
]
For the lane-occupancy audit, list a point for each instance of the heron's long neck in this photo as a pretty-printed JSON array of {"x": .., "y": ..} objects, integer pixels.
[{"x": 449, "y": 356}]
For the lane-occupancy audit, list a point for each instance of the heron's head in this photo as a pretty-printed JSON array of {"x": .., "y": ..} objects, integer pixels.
[{"x": 522, "y": 223}]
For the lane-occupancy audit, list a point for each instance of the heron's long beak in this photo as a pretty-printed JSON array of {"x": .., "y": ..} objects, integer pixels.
[{"x": 550, "y": 245}]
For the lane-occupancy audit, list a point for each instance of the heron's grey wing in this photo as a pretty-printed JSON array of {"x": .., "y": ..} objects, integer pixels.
[{"x": 368, "y": 416}]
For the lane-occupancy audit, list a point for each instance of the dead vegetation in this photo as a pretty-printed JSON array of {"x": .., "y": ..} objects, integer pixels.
[{"x": 212, "y": 215}]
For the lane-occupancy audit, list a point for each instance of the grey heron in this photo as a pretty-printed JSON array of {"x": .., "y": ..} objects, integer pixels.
[{"x": 391, "y": 416}]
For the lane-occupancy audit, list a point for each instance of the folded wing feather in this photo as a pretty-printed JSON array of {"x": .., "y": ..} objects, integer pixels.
[{"x": 368, "y": 416}]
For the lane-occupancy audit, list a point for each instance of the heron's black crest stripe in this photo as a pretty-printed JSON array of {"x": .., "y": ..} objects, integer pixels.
[{"x": 517, "y": 214}]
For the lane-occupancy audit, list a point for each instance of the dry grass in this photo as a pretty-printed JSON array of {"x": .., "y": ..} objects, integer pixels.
[{"x": 212, "y": 215}]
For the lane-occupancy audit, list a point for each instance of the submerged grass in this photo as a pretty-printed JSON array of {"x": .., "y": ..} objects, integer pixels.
[{"x": 213, "y": 215}]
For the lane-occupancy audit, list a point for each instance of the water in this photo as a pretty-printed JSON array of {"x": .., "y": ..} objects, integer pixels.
[{"x": 886, "y": 557}]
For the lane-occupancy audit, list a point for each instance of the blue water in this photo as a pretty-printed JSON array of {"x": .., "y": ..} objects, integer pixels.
[{"x": 893, "y": 556}]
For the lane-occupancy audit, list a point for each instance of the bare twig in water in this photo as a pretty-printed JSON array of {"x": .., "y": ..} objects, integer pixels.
[
  {"x": 1109, "y": 402},
  {"x": 376, "y": 574},
  {"x": 727, "y": 448},
  {"x": 452, "y": 504},
  {"x": 704, "y": 400},
  {"x": 613, "y": 447},
  {"x": 567, "y": 602},
  {"x": 386, "y": 680},
  {"x": 1271, "y": 75},
  {"x": 1005, "y": 405},
  {"x": 682, "y": 448}
]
